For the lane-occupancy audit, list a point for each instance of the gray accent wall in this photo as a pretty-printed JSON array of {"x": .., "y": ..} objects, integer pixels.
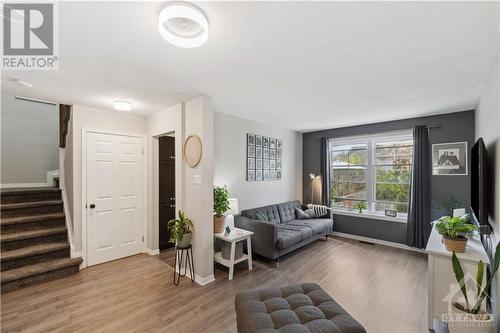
[{"x": 455, "y": 127}]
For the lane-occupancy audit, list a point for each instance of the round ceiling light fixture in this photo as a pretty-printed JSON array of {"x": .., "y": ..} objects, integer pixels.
[
  {"x": 183, "y": 24},
  {"x": 122, "y": 105}
]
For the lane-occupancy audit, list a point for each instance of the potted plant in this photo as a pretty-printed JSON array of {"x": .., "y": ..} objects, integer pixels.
[
  {"x": 473, "y": 317},
  {"x": 455, "y": 232},
  {"x": 360, "y": 205},
  {"x": 180, "y": 230},
  {"x": 221, "y": 206}
]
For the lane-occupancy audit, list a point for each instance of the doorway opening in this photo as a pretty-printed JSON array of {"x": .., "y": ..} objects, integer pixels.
[{"x": 166, "y": 188}]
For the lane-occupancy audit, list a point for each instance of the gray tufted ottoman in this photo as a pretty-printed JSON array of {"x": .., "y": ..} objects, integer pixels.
[{"x": 305, "y": 308}]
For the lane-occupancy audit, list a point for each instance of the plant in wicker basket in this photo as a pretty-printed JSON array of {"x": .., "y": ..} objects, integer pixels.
[
  {"x": 221, "y": 206},
  {"x": 455, "y": 231}
]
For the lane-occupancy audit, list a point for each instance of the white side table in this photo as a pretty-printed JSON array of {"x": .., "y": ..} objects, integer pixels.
[{"x": 235, "y": 236}]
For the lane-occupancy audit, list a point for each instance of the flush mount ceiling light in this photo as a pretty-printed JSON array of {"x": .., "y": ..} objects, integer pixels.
[
  {"x": 183, "y": 24},
  {"x": 122, "y": 105}
]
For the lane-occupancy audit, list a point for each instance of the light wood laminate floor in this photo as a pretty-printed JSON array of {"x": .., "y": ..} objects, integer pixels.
[{"x": 383, "y": 288}]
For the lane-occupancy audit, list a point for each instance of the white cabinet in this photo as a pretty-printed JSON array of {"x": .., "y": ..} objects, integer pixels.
[{"x": 442, "y": 282}]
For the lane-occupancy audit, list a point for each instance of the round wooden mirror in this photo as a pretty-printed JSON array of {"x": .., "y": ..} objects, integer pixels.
[{"x": 192, "y": 150}]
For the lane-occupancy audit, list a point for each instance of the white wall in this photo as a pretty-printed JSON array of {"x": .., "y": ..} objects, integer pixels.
[
  {"x": 194, "y": 117},
  {"x": 198, "y": 198},
  {"x": 85, "y": 117},
  {"x": 230, "y": 162},
  {"x": 488, "y": 127},
  {"x": 30, "y": 140}
]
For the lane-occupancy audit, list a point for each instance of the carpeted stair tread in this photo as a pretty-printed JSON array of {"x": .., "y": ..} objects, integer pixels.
[
  {"x": 33, "y": 250},
  {"x": 40, "y": 268},
  {"x": 28, "y": 190},
  {"x": 15, "y": 236},
  {"x": 31, "y": 204},
  {"x": 29, "y": 219}
]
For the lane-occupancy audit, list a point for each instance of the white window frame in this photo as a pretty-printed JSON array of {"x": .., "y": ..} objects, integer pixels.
[{"x": 370, "y": 141}]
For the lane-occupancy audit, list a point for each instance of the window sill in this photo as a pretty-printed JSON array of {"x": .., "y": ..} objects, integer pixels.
[{"x": 371, "y": 215}]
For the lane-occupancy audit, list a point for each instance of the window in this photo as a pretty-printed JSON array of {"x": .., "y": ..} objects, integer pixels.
[{"x": 375, "y": 169}]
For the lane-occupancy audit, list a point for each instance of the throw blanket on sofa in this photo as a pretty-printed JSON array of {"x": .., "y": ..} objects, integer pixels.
[{"x": 319, "y": 210}]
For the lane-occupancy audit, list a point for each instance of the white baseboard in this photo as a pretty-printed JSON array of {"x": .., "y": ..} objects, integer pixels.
[
  {"x": 152, "y": 252},
  {"x": 76, "y": 254},
  {"x": 377, "y": 241},
  {"x": 202, "y": 281},
  {"x": 15, "y": 185}
]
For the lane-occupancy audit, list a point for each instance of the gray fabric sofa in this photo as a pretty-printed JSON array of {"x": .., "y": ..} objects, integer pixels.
[
  {"x": 304, "y": 308},
  {"x": 282, "y": 233}
]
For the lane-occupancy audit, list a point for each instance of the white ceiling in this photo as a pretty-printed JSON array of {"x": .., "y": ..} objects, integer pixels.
[{"x": 298, "y": 65}]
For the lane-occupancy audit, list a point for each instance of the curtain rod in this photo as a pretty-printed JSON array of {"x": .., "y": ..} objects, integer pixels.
[{"x": 438, "y": 125}]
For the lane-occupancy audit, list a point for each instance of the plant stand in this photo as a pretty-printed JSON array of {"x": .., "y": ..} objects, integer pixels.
[{"x": 179, "y": 257}]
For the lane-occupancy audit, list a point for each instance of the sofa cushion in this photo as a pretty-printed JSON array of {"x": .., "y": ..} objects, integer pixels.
[
  {"x": 289, "y": 235},
  {"x": 304, "y": 214},
  {"x": 287, "y": 210},
  {"x": 292, "y": 309},
  {"x": 270, "y": 212},
  {"x": 261, "y": 216},
  {"x": 318, "y": 226}
]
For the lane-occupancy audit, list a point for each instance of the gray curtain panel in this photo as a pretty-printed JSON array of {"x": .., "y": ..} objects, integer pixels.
[
  {"x": 419, "y": 227},
  {"x": 324, "y": 172}
]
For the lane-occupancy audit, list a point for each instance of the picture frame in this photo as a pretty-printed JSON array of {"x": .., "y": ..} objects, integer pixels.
[
  {"x": 265, "y": 142},
  {"x": 258, "y": 164},
  {"x": 263, "y": 158},
  {"x": 450, "y": 159},
  {"x": 258, "y": 140},
  {"x": 258, "y": 152},
  {"x": 272, "y": 154},
  {"x": 272, "y": 143},
  {"x": 265, "y": 164},
  {"x": 251, "y": 163},
  {"x": 251, "y": 151},
  {"x": 250, "y": 175},
  {"x": 251, "y": 139}
]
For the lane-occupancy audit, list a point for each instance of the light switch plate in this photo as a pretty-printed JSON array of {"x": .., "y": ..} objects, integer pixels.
[{"x": 197, "y": 179}]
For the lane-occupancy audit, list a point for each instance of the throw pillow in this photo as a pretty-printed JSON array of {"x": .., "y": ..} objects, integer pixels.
[
  {"x": 261, "y": 217},
  {"x": 304, "y": 215}
]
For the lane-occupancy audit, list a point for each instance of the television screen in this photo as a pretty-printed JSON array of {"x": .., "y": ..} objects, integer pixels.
[{"x": 479, "y": 182}]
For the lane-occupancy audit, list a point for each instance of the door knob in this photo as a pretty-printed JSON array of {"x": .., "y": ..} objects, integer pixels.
[{"x": 92, "y": 206}]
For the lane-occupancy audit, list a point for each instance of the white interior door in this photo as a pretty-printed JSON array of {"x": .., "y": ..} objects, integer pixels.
[{"x": 114, "y": 197}]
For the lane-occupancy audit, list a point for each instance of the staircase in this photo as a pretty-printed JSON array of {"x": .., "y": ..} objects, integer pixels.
[{"x": 34, "y": 243}]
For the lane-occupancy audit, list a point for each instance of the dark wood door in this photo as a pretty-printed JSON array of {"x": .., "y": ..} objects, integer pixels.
[{"x": 166, "y": 187}]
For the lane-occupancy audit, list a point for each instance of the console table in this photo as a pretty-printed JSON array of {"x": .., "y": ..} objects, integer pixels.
[
  {"x": 441, "y": 275},
  {"x": 235, "y": 236}
]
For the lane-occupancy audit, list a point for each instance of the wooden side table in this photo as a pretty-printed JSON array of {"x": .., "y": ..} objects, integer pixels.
[
  {"x": 179, "y": 257},
  {"x": 235, "y": 236}
]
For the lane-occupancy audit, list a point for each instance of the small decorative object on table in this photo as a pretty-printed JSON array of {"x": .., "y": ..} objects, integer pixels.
[
  {"x": 221, "y": 206},
  {"x": 180, "y": 233},
  {"x": 467, "y": 315},
  {"x": 360, "y": 206},
  {"x": 455, "y": 232}
]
